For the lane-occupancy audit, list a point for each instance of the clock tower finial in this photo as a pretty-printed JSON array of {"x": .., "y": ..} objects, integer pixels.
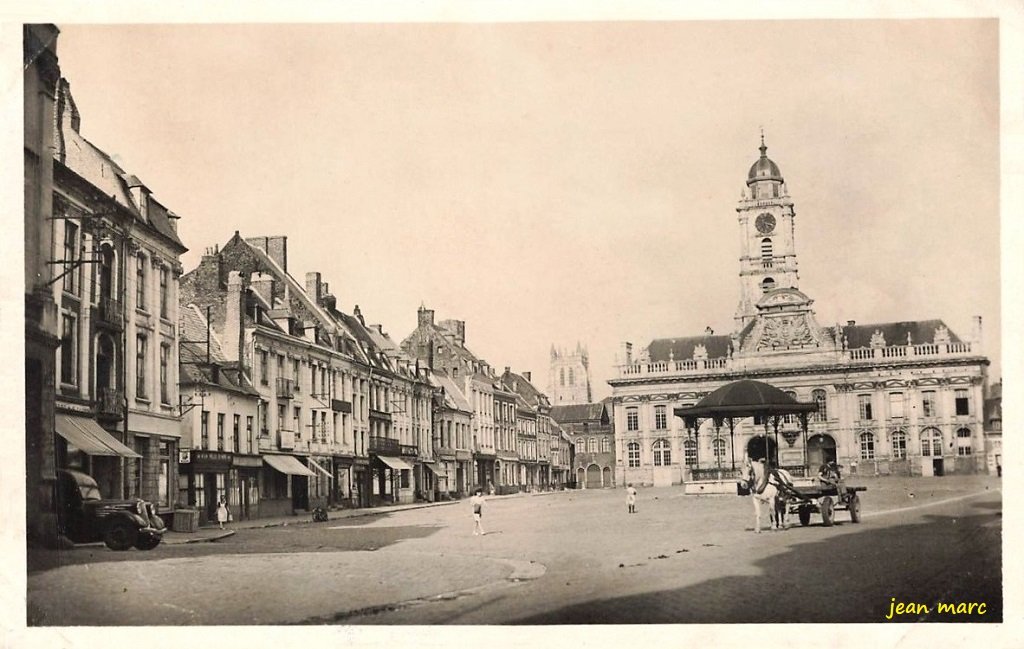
[{"x": 764, "y": 149}]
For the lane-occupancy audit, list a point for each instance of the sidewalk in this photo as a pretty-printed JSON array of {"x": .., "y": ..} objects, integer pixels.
[{"x": 210, "y": 533}]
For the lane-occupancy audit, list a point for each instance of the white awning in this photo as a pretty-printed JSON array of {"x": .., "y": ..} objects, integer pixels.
[
  {"x": 320, "y": 469},
  {"x": 287, "y": 464},
  {"x": 394, "y": 463},
  {"x": 89, "y": 438},
  {"x": 438, "y": 471}
]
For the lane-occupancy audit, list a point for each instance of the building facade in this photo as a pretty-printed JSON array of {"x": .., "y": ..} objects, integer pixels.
[
  {"x": 41, "y": 78},
  {"x": 342, "y": 422},
  {"x": 117, "y": 251},
  {"x": 590, "y": 427},
  {"x": 893, "y": 398}
]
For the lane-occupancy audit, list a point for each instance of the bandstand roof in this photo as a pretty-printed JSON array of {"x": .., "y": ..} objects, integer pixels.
[{"x": 745, "y": 398}]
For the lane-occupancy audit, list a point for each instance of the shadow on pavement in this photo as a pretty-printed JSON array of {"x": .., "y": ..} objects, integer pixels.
[{"x": 845, "y": 578}]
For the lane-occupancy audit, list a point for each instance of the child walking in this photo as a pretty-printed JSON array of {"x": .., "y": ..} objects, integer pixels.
[
  {"x": 477, "y": 501},
  {"x": 631, "y": 498}
]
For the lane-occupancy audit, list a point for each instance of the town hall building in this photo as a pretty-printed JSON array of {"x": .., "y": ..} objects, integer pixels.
[{"x": 900, "y": 398}]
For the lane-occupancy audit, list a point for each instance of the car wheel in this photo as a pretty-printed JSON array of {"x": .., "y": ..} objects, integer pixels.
[
  {"x": 120, "y": 535},
  {"x": 147, "y": 542}
]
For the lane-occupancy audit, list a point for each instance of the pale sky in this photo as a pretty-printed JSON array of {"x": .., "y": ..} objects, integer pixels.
[{"x": 563, "y": 182}]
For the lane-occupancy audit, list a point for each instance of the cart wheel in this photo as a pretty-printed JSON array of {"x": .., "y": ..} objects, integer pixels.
[
  {"x": 827, "y": 513},
  {"x": 855, "y": 508},
  {"x": 805, "y": 515}
]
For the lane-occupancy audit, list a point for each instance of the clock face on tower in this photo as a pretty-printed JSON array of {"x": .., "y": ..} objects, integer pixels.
[{"x": 765, "y": 223}]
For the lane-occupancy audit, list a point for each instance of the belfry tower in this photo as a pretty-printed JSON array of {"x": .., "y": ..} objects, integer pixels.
[
  {"x": 767, "y": 236},
  {"x": 569, "y": 381}
]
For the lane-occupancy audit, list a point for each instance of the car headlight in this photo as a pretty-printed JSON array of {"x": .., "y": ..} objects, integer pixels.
[{"x": 140, "y": 507}]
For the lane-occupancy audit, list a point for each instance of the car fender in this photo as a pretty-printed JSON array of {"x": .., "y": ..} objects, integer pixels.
[{"x": 134, "y": 518}]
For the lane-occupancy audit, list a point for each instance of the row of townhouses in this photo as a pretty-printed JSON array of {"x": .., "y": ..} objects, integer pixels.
[{"x": 233, "y": 381}]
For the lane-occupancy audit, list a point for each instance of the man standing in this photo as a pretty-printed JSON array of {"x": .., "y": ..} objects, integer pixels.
[
  {"x": 631, "y": 498},
  {"x": 477, "y": 501}
]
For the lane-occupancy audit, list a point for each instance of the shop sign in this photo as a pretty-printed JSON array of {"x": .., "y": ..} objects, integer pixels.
[
  {"x": 184, "y": 455},
  {"x": 248, "y": 461}
]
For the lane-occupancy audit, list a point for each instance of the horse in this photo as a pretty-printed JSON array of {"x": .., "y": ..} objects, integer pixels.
[{"x": 767, "y": 487}]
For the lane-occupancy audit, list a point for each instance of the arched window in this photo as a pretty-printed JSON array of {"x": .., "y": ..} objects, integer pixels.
[
  {"x": 821, "y": 399},
  {"x": 606, "y": 444},
  {"x": 719, "y": 448},
  {"x": 581, "y": 444},
  {"x": 591, "y": 445},
  {"x": 766, "y": 251},
  {"x": 767, "y": 284},
  {"x": 572, "y": 376},
  {"x": 899, "y": 445},
  {"x": 690, "y": 452},
  {"x": 633, "y": 453},
  {"x": 867, "y": 446},
  {"x": 931, "y": 442},
  {"x": 561, "y": 376},
  {"x": 963, "y": 441},
  {"x": 790, "y": 418},
  {"x": 662, "y": 453}
]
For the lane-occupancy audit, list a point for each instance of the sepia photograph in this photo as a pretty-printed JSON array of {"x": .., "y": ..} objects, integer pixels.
[{"x": 539, "y": 322}]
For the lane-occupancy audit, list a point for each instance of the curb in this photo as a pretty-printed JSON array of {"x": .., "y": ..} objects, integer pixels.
[{"x": 207, "y": 539}]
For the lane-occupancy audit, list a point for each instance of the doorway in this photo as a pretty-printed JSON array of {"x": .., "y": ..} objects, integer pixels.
[
  {"x": 937, "y": 468},
  {"x": 821, "y": 449},
  {"x": 300, "y": 492}
]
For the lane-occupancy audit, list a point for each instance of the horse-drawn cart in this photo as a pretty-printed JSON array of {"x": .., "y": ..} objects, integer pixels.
[{"x": 824, "y": 499}]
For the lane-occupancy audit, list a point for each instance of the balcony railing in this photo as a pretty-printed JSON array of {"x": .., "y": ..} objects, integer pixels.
[
  {"x": 859, "y": 356},
  {"x": 286, "y": 388},
  {"x": 110, "y": 403},
  {"x": 109, "y": 312},
  {"x": 385, "y": 445}
]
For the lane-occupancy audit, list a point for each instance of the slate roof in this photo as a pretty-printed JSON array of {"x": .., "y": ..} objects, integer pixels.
[
  {"x": 453, "y": 395},
  {"x": 533, "y": 397},
  {"x": 680, "y": 349},
  {"x": 577, "y": 413},
  {"x": 921, "y": 331},
  {"x": 96, "y": 167},
  {"x": 192, "y": 356}
]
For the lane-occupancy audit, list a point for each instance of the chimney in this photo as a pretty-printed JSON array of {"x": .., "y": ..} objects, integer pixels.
[
  {"x": 977, "y": 332},
  {"x": 526, "y": 375},
  {"x": 359, "y": 315},
  {"x": 708, "y": 331},
  {"x": 275, "y": 247},
  {"x": 424, "y": 316},
  {"x": 234, "y": 308},
  {"x": 172, "y": 218},
  {"x": 263, "y": 284},
  {"x": 313, "y": 287},
  {"x": 626, "y": 353}
]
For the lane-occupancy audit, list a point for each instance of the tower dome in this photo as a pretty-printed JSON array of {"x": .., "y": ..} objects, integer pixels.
[{"x": 764, "y": 168}]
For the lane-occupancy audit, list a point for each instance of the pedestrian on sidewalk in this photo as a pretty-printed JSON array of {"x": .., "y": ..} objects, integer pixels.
[
  {"x": 477, "y": 501},
  {"x": 631, "y": 498},
  {"x": 222, "y": 513}
]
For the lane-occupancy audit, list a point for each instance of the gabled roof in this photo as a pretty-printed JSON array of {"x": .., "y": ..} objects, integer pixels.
[
  {"x": 533, "y": 397},
  {"x": 578, "y": 413}
]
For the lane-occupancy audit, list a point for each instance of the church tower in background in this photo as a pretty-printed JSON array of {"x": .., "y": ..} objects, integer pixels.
[{"x": 569, "y": 381}]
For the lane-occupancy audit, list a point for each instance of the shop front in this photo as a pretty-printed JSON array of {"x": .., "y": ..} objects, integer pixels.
[
  {"x": 204, "y": 478},
  {"x": 245, "y": 486},
  {"x": 392, "y": 480},
  {"x": 83, "y": 445},
  {"x": 320, "y": 483},
  {"x": 362, "y": 482},
  {"x": 341, "y": 487},
  {"x": 284, "y": 485}
]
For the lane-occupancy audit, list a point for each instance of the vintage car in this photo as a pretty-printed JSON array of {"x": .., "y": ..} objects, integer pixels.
[{"x": 83, "y": 516}]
